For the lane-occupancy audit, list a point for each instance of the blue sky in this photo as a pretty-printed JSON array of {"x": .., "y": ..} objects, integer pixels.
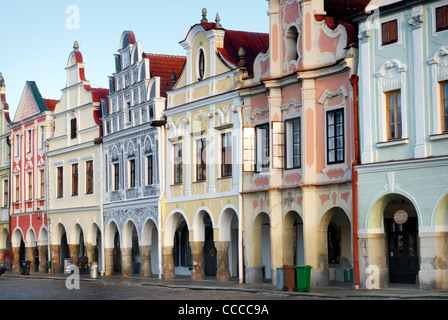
[{"x": 36, "y": 37}]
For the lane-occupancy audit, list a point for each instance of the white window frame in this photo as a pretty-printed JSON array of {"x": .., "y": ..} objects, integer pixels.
[
  {"x": 400, "y": 19},
  {"x": 433, "y": 8}
]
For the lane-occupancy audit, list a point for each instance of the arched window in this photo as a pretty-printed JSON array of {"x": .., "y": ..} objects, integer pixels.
[{"x": 201, "y": 64}]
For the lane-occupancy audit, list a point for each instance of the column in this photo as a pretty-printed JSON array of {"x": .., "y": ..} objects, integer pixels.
[
  {"x": 73, "y": 253},
  {"x": 91, "y": 252},
  {"x": 15, "y": 259},
  {"x": 55, "y": 258},
  {"x": 30, "y": 257},
  {"x": 109, "y": 261},
  {"x": 276, "y": 229},
  {"x": 168, "y": 264},
  {"x": 198, "y": 254},
  {"x": 223, "y": 273},
  {"x": 43, "y": 257},
  {"x": 126, "y": 258},
  {"x": 145, "y": 254}
]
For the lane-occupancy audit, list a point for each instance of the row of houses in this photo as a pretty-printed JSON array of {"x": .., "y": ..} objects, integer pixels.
[{"x": 322, "y": 143}]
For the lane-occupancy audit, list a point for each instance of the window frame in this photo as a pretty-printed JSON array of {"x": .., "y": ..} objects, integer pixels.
[
  {"x": 261, "y": 167},
  {"x": 60, "y": 182},
  {"x": 73, "y": 128},
  {"x": 201, "y": 159},
  {"x": 149, "y": 169},
  {"x": 335, "y": 136},
  {"x": 226, "y": 168},
  {"x": 177, "y": 167},
  {"x": 41, "y": 183},
  {"x": 75, "y": 179},
  {"x": 132, "y": 175},
  {"x": 5, "y": 192},
  {"x": 17, "y": 188},
  {"x": 289, "y": 143},
  {"x": 116, "y": 176},
  {"x": 388, "y": 24},
  {"x": 443, "y": 102},
  {"x": 398, "y": 125},
  {"x": 89, "y": 177}
]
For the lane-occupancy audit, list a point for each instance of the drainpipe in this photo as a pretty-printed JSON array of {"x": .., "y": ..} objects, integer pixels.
[{"x": 354, "y": 82}]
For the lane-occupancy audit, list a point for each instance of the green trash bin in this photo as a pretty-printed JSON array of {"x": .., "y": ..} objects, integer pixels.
[
  {"x": 348, "y": 275},
  {"x": 303, "y": 278}
]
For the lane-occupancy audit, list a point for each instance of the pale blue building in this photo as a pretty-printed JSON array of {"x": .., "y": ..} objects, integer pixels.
[{"x": 403, "y": 139}]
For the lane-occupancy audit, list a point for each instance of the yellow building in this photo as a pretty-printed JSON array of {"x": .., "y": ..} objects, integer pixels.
[
  {"x": 74, "y": 162},
  {"x": 201, "y": 220}
]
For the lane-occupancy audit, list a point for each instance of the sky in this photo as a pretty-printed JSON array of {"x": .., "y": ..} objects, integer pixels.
[{"x": 36, "y": 37}]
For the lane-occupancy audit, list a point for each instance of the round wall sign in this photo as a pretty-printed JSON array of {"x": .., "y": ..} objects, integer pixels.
[{"x": 400, "y": 216}]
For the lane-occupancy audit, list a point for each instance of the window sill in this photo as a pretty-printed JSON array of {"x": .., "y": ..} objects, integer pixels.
[
  {"x": 392, "y": 143},
  {"x": 438, "y": 136},
  {"x": 177, "y": 184},
  {"x": 225, "y": 177},
  {"x": 200, "y": 181}
]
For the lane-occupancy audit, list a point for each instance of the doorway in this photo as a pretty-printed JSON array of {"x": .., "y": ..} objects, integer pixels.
[
  {"x": 210, "y": 253},
  {"x": 402, "y": 248}
]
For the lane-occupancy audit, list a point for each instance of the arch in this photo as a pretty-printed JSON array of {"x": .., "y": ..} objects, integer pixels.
[
  {"x": 198, "y": 223},
  {"x": 4, "y": 237},
  {"x": 294, "y": 252},
  {"x": 439, "y": 217},
  {"x": 225, "y": 219},
  {"x": 127, "y": 38},
  {"x": 262, "y": 246},
  {"x": 147, "y": 232},
  {"x": 30, "y": 237},
  {"x": 75, "y": 235},
  {"x": 127, "y": 233},
  {"x": 374, "y": 218},
  {"x": 109, "y": 235},
  {"x": 171, "y": 224},
  {"x": 43, "y": 235},
  {"x": 17, "y": 236},
  {"x": 92, "y": 234}
]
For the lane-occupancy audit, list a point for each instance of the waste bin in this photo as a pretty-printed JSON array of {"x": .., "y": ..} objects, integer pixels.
[
  {"x": 348, "y": 275},
  {"x": 290, "y": 278},
  {"x": 49, "y": 264},
  {"x": 280, "y": 279},
  {"x": 93, "y": 270},
  {"x": 25, "y": 266},
  {"x": 303, "y": 278}
]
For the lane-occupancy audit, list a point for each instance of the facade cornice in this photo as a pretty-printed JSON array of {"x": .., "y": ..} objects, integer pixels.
[{"x": 406, "y": 164}]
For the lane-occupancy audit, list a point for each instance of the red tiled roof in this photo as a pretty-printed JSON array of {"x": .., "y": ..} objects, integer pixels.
[
  {"x": 161, "y": 65},
  {"x": 51, "y": 104},
  {"x": 253, "y": 43}
]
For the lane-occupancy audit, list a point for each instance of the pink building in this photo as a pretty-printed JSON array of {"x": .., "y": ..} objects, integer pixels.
[
  {"x": 299, "y": 144},
  {"x": 32, "y": 125}
]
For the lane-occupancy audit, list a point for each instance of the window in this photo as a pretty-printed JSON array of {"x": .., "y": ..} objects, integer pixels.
[
  {"x": 5, "y": 193},
  {"x": 116, "y": 172},
  {"x": 149, "y": 170},
  {"x": 17, "y": 187},
  {"x": 29, "y": 182},
  {"x": 293, "y": 144},
  {"x": 393, "y": 103},
  {"x": 278, "y": 144},
  {"x": 16, "y": 145},
  {"x": 335, "y": 136},
  {"x": 262, "y": 147},
  {"x": 292, "y": 38},
  {"x": 442, "y": 18},
  {"x": 129, "y": 112},
  {"x": 28, "y": 141},
  {"x": 41, "y": 184},
  {"x": 74, "y": 179},
  {"x": 89, "y": 177},
  {"x": 444, "y": 105},
  {"x": 226, "y": 154},
  {"x": 201, "y": 65},
  {"x": 177, "y": 149},
  {"x": 60, "y": 183},
  {"x": 42, "y": 137},
  {"x": 132, "y": 173},
  {"x": 201, "y": 164},
  {"x": 389, "y": 32},
  {"x": 73, "y": 128}
]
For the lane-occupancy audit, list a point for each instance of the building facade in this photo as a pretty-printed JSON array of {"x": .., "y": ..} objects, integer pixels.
[
  {"x": 75, "y": 170},
  {"x": 298, "y": 138},
  {"x": 403, "y": 176},
  {"x": 5, "y": 166},
  {"x": 201, "y": 221},
  {"x": 30, "y": 130},
  {"x": 133, "y": 160}
]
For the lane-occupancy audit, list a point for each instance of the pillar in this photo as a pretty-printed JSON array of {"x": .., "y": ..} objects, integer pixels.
[
  {"x": 15, "y": 259},
  {"x": 55, "y": 258},
  {"x": 373, "y": 268},
  {"x": 30, "y": 257},
  {"x": 198, "y": 255},
  {"x": 223, "y": 273},
  {"x": 276, "y": 230},
  {"x": 109, "y": 261},
  {"x": 91, "y": 252},
  {"x": 73, "y": 253},
  {"x": 168, "y": 263},
  {"x": 126, "y": 258},
  {"x": 43, "y": 257},
  {"x": 145, "y": 254}
]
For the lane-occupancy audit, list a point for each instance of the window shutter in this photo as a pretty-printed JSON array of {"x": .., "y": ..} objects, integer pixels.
[
  {"x": 441, "y": 18},
  {"x": 385, "y": 32},
  {"x": 278, "y": 144},
  {"x": 393, "y": 31},
  {"x": 249, "y": 149}
]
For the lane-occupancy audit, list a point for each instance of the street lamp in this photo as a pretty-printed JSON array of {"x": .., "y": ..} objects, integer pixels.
[{"x": 38, "y": 213}]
